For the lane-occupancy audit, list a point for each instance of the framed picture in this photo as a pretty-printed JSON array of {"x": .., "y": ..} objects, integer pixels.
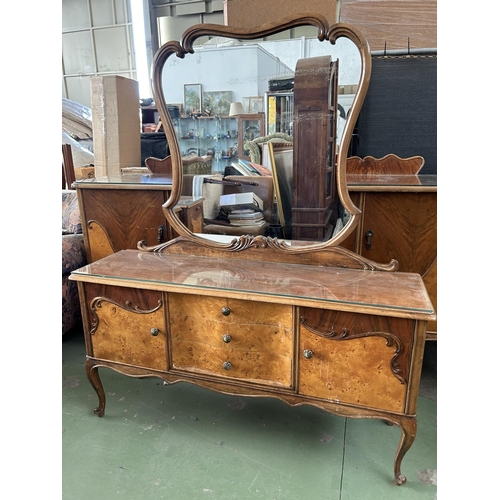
[
  {"x": 256, "y": 104},
  {"x": 217, "y": 103},
  {"x": 280, "y": 158},
  {"x": 192, "y": 98}
]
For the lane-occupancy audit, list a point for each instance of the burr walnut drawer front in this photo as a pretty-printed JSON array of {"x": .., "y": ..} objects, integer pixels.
[
  {"x": 232, "y": 338},
  {"x": 128, "y": 326},
  {"x": 358, "y": 359}
]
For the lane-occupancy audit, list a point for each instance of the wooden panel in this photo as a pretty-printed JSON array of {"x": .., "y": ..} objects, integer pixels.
[
  {"x": 245, "y": 14},
  {"x": 314, "y": 198},
  {"x": 121, "y": 322},
  {"x": 430, "y": 282},
  {"x": 404, "y": 228},
  {"x": 261, "y": 338},
  {"x": 126, "y": 216},
  {"x": 388, "y": 24},
  {"x": 369, "y": 366}
]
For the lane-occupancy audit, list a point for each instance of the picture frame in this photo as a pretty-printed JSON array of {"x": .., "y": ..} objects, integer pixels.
[
  {"x": 256, "y": 104},
  {"x": 281, "y": 165},
  {"x": 192, "y": 98},
  {"x": 217, "y": 102}
]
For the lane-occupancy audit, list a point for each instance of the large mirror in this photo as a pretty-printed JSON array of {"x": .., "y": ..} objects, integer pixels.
[{"x": 259, "y": 127}]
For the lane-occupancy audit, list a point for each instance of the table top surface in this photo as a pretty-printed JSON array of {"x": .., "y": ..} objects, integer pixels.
[
  {"x": 128, "y": 180},
  {"x": 391, "y": 181},
  {"x": 379, "y": 292}
]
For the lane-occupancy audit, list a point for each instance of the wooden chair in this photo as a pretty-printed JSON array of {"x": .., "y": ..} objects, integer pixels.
[{"x": 68, "y": 167}]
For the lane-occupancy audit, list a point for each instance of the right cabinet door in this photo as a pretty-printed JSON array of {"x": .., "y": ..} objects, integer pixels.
[
  {"x": 358, "y": 359},
  {"x": 401, "y": 226}
]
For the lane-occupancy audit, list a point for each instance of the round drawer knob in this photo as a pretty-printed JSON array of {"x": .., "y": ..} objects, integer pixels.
[
  {"x": 226, "y": 311},
  {"x": 155, "y": 332},
  {"x": 227, "y": 365},
  {"x": 226, "y": 338},
  {"x": 308, "y": 354}
]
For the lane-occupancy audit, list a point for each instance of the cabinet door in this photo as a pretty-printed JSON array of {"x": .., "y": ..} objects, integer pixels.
[
  {"x": 117, "y": 219},
  {"x": 401, "y": 226},
  {"x": 127, "y": 326},
  {"x": 232, "y": 338},
  {"x": 357, "y": 359}
]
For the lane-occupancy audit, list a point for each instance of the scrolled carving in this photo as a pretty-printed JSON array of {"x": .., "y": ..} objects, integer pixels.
[
  {"x": 390, "y": 341},
  {"x": 127, "y": 306}
]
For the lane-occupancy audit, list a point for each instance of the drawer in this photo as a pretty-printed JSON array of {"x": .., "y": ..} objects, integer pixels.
[
  {"x": 232, "y": 338},
  {"x": 128, "y": 326},
  {"x": 358, "y": 359}
]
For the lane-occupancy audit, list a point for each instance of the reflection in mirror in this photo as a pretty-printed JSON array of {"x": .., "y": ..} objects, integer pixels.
[{"x": 230, "y": 98}]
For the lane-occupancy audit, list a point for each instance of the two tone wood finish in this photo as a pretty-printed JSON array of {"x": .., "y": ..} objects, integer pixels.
[
  {"x": 308, "y": 323},
  {"x": 349, "y": 341}
]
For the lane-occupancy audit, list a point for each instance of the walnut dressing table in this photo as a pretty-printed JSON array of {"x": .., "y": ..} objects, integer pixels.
[
  {"x": 349, "y": 341},
  {"x": 307, "y": 322}
]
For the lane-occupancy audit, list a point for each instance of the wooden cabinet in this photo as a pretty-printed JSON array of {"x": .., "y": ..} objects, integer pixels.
[
  {"x": 190, "y": 213},
  {"x": 315, "y": 199},
  {"x": 344, "y": 340},
  {"x": 399, "y": 221},
  {"x": 118, "y": 212}
]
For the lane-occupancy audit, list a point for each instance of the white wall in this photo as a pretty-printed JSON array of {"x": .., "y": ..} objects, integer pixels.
[
  {"x": 243, "y": 69},
  {"x": 246, "y": 69}
]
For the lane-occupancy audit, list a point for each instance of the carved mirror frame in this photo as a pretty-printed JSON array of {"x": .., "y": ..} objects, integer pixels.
[{"x": 326, "y": 32}]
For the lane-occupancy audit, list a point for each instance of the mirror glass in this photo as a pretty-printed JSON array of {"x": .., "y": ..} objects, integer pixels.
[{"x": 258, "y": 126}]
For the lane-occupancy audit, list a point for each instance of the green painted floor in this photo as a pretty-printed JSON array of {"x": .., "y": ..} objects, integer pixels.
[{"x": 183, "y": 442}]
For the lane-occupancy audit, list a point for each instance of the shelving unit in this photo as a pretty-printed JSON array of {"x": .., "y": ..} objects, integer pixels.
[
  {"x": 208, "y": 136},
  {"x": 279, "y": 106}
]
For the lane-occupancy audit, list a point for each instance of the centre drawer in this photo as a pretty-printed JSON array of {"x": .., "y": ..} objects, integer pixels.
[{"x": 232, "y": 338}]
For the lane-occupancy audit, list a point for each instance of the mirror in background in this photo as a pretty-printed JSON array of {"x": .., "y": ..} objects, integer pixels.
[{"x": 258, "y": 126}]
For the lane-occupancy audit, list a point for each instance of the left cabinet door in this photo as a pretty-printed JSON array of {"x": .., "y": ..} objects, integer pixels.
[{"x": 126, "y": 325}]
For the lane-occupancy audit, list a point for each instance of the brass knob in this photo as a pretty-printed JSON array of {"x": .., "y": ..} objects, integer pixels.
[
  {"x": 226, "y": 311},
  {"x": 155, "y": 332},
  {"x": 227, "y": 365},
  {"x": 308, "y": 354},
  {"x": 226, "y": 338}
]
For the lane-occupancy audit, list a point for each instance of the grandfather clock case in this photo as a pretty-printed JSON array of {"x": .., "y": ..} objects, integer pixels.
[{"x": 315, "y": 203}]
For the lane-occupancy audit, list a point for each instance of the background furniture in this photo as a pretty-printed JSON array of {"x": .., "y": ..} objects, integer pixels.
[
  {"x": 399, "y": 219},
  {"x": 118, "y": 212},
  {"x": 250, "y": 127},
  {"x": 314, "y": 201},
  {"x": 73, "y": 257}
]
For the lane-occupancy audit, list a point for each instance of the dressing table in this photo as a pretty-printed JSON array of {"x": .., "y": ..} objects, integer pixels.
[{"x": 307, "y": 322}]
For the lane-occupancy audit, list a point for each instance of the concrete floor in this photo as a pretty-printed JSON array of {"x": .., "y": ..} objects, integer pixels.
[{"x": 184, "y": 442}]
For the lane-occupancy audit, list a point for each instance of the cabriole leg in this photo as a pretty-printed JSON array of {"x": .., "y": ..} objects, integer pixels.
[
  {"x": 409, "y": 431},
  {"x": 94, "y": 379}
]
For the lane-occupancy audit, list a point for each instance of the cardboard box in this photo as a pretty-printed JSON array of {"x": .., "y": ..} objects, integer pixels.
[
  {"x": 84, "y": 173},
  {"x": 116, "y": 124}
]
